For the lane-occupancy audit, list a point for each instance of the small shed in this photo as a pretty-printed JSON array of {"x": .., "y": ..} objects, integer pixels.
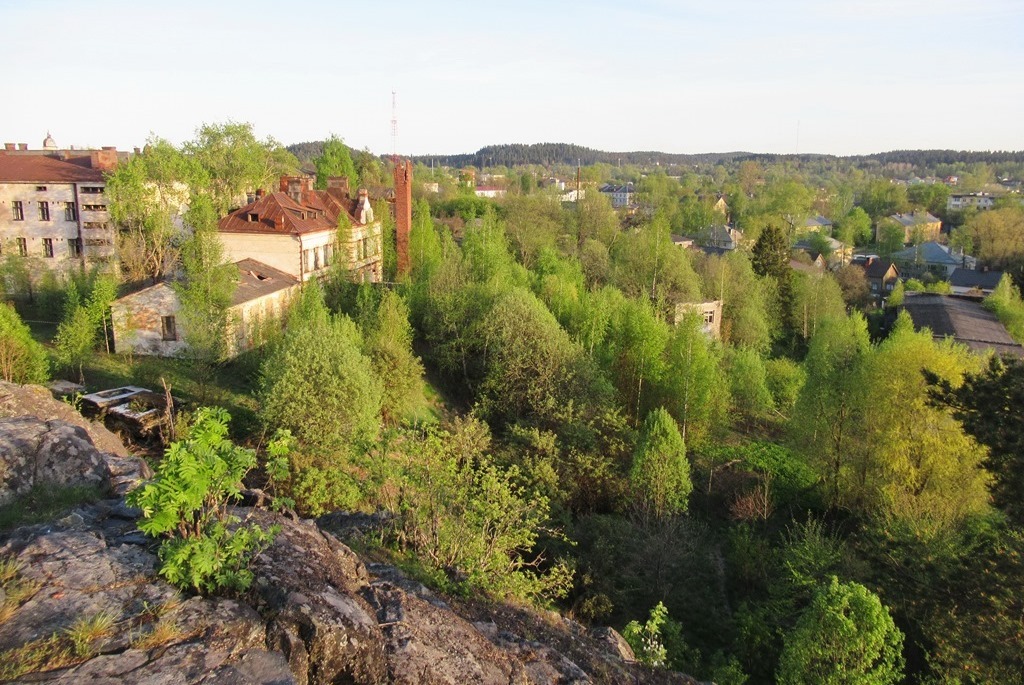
[{"x": 147, "y": 321}]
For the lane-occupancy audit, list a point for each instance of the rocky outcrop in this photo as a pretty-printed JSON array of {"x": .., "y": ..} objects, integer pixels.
[
  {"x": 35, "y": 400},
  {"x": 315, "y": 615},
  {"x": 93, "y": 563},
  {"x": 61, "y": 449},
  {"x": 34, "y": 452}
]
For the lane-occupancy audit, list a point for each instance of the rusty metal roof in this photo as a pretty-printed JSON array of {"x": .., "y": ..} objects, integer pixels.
[
  {"x": 40, "y": 169},
  {"x": 278, "y": 213}
]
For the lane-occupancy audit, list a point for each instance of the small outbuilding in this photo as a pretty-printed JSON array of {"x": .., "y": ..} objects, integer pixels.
[{"x": 147, "y": 322}]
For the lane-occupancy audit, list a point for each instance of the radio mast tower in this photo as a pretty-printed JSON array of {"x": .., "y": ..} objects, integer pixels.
[{"x": 394, "y": 128}]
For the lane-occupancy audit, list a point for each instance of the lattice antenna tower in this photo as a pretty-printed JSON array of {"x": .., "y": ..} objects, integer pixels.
[{"x": 394, "y": 127}]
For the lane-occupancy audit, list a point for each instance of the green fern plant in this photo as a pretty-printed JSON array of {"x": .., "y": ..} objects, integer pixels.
[{"x": 205, "y": 548}]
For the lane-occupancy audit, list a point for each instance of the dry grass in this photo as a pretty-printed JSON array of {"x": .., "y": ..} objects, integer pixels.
[
  {"x": 17, "y": 590},
  {"x": 59, "y": 650},
  {"x": 164, "y": 631},
  {"x": 86, "y": 632}
]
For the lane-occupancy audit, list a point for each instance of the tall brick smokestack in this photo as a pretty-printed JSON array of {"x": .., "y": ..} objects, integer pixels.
[{"x": 403, "y": 214}]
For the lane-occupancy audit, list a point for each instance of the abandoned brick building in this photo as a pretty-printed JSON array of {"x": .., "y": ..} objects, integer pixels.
[{"x": 296, "y": 230}]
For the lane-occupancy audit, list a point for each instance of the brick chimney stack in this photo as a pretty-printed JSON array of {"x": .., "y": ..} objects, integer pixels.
[{"x": 403, "y": 214}]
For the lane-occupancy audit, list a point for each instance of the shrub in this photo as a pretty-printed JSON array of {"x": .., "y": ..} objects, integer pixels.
[
  {"x": 461, "y": 514},
  {"x": 846, "y": 635},
  {"x": 646, "y": 640},
  {"x": 22, "y": 359},
  {"x": 205, "y": 548},
  {"x": 317, "y": 383}
]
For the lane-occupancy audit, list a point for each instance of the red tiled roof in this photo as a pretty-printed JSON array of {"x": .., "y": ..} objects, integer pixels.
[
  {"x": 279, "y": 213},
  {"x": 40, "y": 169}
]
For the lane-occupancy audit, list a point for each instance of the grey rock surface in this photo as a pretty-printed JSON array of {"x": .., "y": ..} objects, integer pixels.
[
  {"x": 315, "y": 615},
  {"x": 36, "y": 452}
]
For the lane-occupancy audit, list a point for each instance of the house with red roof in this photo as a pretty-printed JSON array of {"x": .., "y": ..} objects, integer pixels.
[{"x": 302, "y": 231}]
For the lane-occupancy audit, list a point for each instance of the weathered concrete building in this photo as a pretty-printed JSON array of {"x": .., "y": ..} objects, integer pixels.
[
  {"x": 53, "y": 207},
  {"x": 301, "y": 231},
  {"x": 147, "y": 322}
]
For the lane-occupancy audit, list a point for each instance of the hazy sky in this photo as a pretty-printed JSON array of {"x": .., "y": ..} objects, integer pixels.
[{"x": 839, "y": 76}]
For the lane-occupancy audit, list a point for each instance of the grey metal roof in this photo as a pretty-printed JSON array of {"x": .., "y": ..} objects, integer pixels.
[
  {"x": 968, "y": 278},
  {"x": 915, "y": 218},
  {"x": 963, "y": 320},
  {"x": 929, "y": 252}
]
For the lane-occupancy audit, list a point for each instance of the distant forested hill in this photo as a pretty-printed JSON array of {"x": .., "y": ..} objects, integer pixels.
[{"x": 549, "y": 154}]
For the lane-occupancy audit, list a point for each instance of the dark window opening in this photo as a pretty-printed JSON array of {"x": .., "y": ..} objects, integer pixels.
[{"x": 168, "y": 328}]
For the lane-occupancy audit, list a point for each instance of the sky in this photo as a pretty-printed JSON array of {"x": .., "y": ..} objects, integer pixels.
[{"x": 684, "y": 76}]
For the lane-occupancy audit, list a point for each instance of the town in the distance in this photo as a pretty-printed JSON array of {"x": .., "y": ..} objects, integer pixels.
[{"x": 538, "y": 413}]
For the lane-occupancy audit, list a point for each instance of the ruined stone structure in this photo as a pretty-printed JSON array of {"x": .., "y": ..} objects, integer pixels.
[{"x": 147, "y": 321}]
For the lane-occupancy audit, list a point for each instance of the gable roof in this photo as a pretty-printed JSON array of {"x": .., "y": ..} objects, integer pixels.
[
  {"x": 929, "y": 252},
  {"x": 41, "y": 169},
  {"x": 968, "y": 278},
  {"x": 817, "y": 221},
  {"x": 963, "y": 320},
  {"x": 915, "y": 218},
  {"x": 878, "y": 268}
]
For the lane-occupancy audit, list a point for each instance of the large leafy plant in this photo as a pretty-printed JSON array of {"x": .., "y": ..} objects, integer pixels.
[{"x": 205, "y": 548}]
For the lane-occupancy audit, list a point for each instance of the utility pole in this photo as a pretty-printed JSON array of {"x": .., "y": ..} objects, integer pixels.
[{"x": 394, "y": 128}]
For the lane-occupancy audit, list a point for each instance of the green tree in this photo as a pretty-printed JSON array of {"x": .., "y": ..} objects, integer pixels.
[
  {"x": 854, "y": 228},
  {"x": 646, "y": 640},
  {"x": 145, "y": 195},
  {"x": 206, "y": 289},
  {"x": 76, "y": 333},
  {"x": 891, "y": 237},
  {"x": 660, "y": 474},
  {"x": 231, "y": 162},
  {"x": 593, "y": 218},
  {"x": 533, "y": 222},
  {"x": 748, "y": 382},
  {"x": 827, "y": 421},
  {"x": 647, "y": 264},
  {"x": 458, "y": 511},
  {"x": 634, "y": 353},
  {"x": 1006, "y": 303},
  {"x": 845, "y": 636},
  {"x": 694, "y": 389},
  {"x": 990, "y": 406},
  {"x": 998, "y": 235},
  {"x": 22, "y": 359},
  {"x": 533, "y": 368},
  {"x": 916, "y": 465},
  {"x": 317, "y": 383},
  {"x": 389, "y": 345},
  {"x": 336, "y": 160},
  {"x": 747, "y": 316},
  {"x": 882, "y": 198}
]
